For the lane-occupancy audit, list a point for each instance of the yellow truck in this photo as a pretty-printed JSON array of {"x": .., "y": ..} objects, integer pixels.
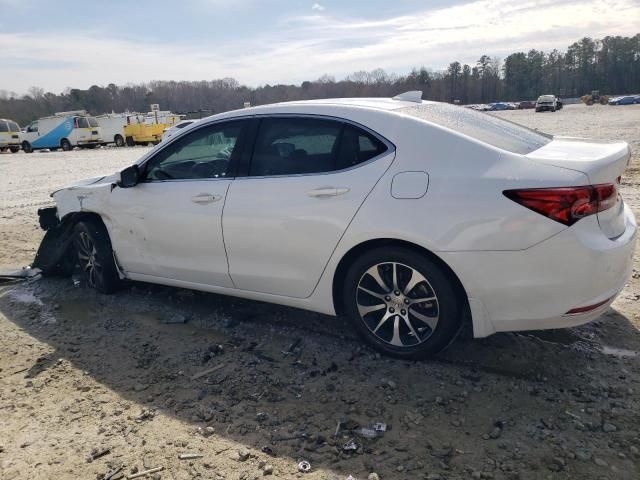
[{"x": 142, "y": 129}]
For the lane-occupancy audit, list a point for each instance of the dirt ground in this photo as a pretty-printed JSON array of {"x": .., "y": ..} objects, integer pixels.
[{"x": 141, "y": 377}]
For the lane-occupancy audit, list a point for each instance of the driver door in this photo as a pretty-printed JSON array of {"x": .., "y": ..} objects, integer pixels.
[{"x": 170, "y": 224}]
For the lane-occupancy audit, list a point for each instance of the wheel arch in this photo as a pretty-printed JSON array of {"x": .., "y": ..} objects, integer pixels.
[
  {"x": 55, "y": 245},
  {"x": 348, "y": 258}
]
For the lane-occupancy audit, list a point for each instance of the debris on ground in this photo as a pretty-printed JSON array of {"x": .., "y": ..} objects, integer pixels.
[
  {"x": 144, "y": 473},
  {"x": 189, "y": 456}
]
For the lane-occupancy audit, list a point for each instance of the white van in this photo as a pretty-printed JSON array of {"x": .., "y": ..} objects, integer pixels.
[
  {"x": 112, "y": 128},
  {"x": 64, "y": 130},
  {"x": 9, "y": 136}
]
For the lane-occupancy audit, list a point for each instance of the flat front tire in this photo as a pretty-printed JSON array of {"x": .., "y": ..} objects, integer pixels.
[
  {"x": 402, "y": 302},
  {"x": 95, "y": 256}
]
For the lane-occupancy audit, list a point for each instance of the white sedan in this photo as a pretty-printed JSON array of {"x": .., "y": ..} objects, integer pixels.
[{"x": 410, "y": 217}]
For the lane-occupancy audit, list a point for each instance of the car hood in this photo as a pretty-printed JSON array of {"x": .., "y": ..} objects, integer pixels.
[{"x": 107, "y": 179}]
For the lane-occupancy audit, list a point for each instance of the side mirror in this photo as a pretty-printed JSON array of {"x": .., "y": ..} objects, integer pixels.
[{"x": 129, "y": 177}]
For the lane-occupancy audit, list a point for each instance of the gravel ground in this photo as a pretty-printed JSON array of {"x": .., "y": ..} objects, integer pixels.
[{"x": 139, "y": 378}]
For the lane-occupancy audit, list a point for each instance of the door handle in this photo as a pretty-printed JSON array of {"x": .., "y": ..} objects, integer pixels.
[
  {"x": 205, "y": 198},
  {"x": 327, "y": 192}
]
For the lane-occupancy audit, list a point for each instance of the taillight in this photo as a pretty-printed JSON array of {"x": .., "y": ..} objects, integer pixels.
[{"x": 566, "y": 205}]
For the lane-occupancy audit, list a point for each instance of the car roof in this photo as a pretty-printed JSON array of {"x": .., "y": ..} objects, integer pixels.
[{"x": 378, "y": 103}]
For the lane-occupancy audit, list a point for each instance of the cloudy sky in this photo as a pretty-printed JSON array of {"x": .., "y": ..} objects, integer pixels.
[{"x": 80, "y": 43}]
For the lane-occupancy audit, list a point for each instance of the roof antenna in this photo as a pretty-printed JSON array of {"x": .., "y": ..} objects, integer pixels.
[{"x": 412, "y": 96}]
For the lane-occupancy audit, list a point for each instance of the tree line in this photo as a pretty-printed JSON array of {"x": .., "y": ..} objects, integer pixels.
[{"x": 611, "y": 65}]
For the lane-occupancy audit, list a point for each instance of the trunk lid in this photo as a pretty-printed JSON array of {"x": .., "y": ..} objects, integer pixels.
[{"x": 601, "y": 162}]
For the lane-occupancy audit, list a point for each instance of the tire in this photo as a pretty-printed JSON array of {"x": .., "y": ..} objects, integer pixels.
[
  {"x": 26, "y": 147},
  {"x": 130, "y": 142},
  {"x": 553, "y": 110},
  {"x": 119, "y": 141},
  {"x": 14, "y": 149},
  {"x": 95, "y": 256},
  {"x": 53, "y": 149},
  {"x": 66, "y": 145},
  {"x": 423, "y": 328}
]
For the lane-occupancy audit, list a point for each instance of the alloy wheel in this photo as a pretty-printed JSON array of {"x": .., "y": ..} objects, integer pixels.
[
  {"x": 397, "y": 304},
  {"x": 88, "y": 256}
]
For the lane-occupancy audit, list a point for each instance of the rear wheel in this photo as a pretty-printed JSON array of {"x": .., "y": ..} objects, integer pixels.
[
  {"x": 95, "y": 256},
  {"x": 119, "y": 141},
  {"x": 26, "y": 147},
  {"x": 14, "y": 149},
  {"x": 402, "y": 302},
  {"x": 66, "y": 145}
]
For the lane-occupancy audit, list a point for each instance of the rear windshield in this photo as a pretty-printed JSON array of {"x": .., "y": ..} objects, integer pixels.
[{"x": 481, "y": 126}]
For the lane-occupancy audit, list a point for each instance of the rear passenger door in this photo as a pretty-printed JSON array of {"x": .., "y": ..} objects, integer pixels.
[{"x": 306, "y": 179}]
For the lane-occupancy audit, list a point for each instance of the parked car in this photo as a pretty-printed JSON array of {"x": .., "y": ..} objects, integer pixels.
[
  {"x": 526, "y": 104},
  {"x": 500, "y": 106},
  {"x": 64, "y": 130},
  {"x": 175, "y": 128},
  {"x": 357, "y": 206},
  {"x": 624, "y": 100},
  {"x": 548, "y": 103},
  {"x": 9, "y": 136}
]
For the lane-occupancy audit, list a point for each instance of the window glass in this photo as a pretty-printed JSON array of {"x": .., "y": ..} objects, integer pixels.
[
  {"x": 13, "y": 126},
  {"x": 205, "y": 153},
  {"x": 357, "y": 146},
  {"x": 289, "y": 146},
  {"x": 92, "y": 122},
  {"x": 33, "y": 127},
  {"x": 4, "y": 126},
  {"x": 481, "y": 126},
  {"x": 81, "y": 122}
]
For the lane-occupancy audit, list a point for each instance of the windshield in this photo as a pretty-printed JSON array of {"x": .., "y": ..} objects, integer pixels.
[
  {"x": 9, "y": 126},
  {"x": 481, "y": 126}
]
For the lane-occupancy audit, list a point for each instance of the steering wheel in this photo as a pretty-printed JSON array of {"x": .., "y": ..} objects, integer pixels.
[{"x": 210, "y": 169}]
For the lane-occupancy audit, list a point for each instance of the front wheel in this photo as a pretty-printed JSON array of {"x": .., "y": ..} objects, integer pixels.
[
  {"x": 66, "y": 145},
  {"x": 130, "y": 142},
  {"x": 95, "y": 256},
  {"x": 26, "y": 147},
  {"x": 402, "y": 302}
]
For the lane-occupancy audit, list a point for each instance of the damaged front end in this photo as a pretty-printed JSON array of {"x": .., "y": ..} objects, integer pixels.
[{"x": 55, "y": 255}]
